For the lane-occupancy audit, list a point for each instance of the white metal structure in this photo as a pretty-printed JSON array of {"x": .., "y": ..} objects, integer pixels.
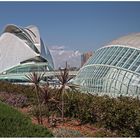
[{"x": 114, "y": 69}]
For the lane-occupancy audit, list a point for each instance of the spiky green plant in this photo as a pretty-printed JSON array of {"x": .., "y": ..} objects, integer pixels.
[
  {"x": 64, "y": 78},
  {"x": 35, "y": 78}
]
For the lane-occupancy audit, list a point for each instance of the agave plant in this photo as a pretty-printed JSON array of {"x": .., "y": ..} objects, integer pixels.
[
  {"x": 64, "y": 78},
  {"x": 35, "y": 78}
]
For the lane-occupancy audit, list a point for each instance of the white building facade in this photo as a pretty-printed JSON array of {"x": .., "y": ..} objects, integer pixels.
[{"x": 22, "y": 51}]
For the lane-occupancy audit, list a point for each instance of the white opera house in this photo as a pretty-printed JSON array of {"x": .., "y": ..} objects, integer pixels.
[{"x": 22, "y": 51}]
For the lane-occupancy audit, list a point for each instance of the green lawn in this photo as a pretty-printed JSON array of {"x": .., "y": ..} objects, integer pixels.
[{"x": 15, "y": 124}]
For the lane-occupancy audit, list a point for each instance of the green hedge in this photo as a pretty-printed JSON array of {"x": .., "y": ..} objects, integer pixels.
[
  {"x": 27, "y": 91},
  {"x": 120, "y": 115},
  {"x": 15, "y": 124}
]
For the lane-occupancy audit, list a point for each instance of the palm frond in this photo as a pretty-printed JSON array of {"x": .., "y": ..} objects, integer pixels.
[{"x": 35, "y": 77}]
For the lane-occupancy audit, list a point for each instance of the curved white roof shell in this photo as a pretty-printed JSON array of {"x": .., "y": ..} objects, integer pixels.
[
  {"x": 11, "y": 28},
  {"x": 18, "y": 45},
  {"x": 34, "y": 33},
  {"x": 31, "y": 32},
  {"x": 132, "y": 40},
  {"x": 13, "y": 51}
]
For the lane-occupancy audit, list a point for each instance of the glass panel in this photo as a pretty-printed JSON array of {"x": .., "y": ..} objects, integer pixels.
[
  {"x": 126, "y": 56},
  {"x": 131, "y": 59},
  {"x": 91, "y": 60},
  {"x": 114, "y": 55},
  {"x": 103, "y": 56},
  {"x": 108, "y": 55},
  {"x": 121, "y": 53},
  {"x": 135, "y": 64}
]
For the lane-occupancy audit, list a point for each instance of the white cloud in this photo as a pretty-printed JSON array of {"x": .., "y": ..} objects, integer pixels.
[
  {"x": 77, "y": 53},
  {"x": 56, "y": 47},
  {"x": 61, "y": 52},
  {"x": 60, "y": 56}
]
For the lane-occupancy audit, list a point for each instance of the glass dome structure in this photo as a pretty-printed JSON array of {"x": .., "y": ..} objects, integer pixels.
[{"x": 114, "y": 69}]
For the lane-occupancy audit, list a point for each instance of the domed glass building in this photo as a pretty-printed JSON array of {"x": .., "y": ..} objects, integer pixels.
[
  {"x": 114, "y": 69},
  {"x": 22, "y": 51}
]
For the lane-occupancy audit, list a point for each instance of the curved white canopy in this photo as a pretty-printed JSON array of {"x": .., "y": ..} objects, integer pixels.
[{"x": 13, "y": 51}]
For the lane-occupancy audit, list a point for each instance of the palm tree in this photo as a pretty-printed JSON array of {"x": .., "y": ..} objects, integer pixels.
[
  {"x": 35, "y": 78},
  {"x": 64, "y": 78}
]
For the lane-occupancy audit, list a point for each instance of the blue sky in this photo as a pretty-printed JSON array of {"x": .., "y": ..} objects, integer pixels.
[{"x": 82, "y": 26}]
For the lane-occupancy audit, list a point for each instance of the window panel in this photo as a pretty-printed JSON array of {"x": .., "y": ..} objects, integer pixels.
[
  {"x": 131, "y": 59},
  {"x": 121, "y": 53},
  {"x": 126, "y": 56}
]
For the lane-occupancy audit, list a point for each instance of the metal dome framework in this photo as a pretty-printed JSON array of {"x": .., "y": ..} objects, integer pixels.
[{"x": 113, "y": 70}]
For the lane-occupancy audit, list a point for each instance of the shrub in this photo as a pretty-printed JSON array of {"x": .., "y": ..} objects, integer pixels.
[
  {"x": 103, "y": 133},
  {"x": 16, "y": 100},
  {"x": 121, "y": 114},
  {"x": 26, "y": 91},
  {"x": 65, "y": 132},
  {"x": 15, "y": 124}
]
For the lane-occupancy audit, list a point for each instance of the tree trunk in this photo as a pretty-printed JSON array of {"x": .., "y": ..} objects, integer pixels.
[
  {"x": 63, "y": 90},
  {"x": 40, "y": 121}
]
